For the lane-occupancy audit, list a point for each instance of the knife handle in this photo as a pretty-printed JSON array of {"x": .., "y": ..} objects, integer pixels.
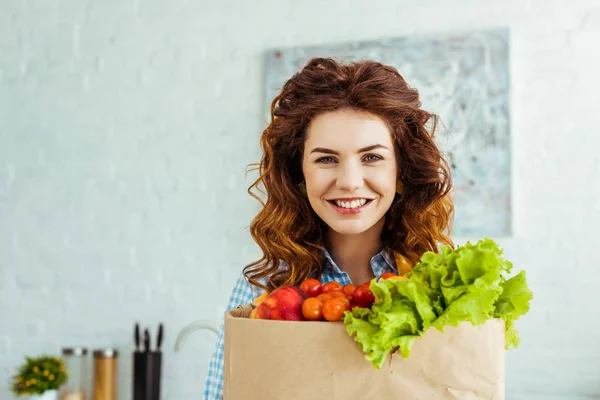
[
  {"x": 136, "y": 337},
  {"x": 146, "y": 340},
  {"x": 159, "y": 338}
]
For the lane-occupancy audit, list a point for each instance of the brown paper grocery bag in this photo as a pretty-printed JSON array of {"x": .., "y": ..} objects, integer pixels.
[{"x": 289, "y": 360}]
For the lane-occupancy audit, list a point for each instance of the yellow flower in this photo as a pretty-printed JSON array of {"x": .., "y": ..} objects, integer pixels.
[
  {"x": 46, "y": 373},
  {"x": 36, "y": 369},
  {"x": 27, "y": 383},
  {"x": 33, "y": 381},
  {"x": 19, "y": 379},
  {"x": 51, "y": 377}
]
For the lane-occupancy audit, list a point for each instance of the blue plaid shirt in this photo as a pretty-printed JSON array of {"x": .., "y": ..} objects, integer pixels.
[{"x": 244, "y": 293}]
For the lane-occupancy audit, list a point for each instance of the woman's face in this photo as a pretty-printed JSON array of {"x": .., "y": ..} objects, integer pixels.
[{"x": 350, "y": 170}]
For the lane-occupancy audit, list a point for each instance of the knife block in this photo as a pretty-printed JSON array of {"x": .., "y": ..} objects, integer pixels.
[{"x": 146, "y": 375}]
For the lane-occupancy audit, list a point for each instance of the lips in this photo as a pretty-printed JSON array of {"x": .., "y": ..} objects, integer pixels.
[
  {"x": 350, "y": 203},
  {"x": 350, "y": 206}
]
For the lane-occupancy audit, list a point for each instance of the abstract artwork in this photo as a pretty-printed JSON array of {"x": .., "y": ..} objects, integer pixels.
[{"x": 464, "y": 79}]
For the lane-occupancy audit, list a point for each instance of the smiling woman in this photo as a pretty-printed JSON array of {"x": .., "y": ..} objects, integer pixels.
[
  {"x": 350, "y": 170},
  {"x": 350, "y": 166},
  {"x": 355, "y": 185}
]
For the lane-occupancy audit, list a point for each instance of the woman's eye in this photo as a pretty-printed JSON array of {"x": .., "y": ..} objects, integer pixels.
[
  {"x": 372, "y": 158},
  {"x": 326, "y": 160}
]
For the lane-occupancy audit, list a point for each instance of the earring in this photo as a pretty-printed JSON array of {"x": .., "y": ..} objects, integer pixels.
[
  {"x": 399, "y": 186},
  {"x": 302, "y": 188}
]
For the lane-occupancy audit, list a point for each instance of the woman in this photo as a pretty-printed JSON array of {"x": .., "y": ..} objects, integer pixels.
[{"x": 355, "y": 185}]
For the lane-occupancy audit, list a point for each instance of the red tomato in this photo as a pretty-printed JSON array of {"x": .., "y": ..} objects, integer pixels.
[
  {"x": 363, "y": 296},
  {"x": 387, "y": 275},
  {"x": 323, "y": 297},
  {"x": 345, "y": 301},
  {"x": 329, "y": 286},
  {"x": 333, "y": 309},
  {"x": 336, "y": 293},
  {"x": 349, "y": 289},
  {"x": 312, "y": 287},
  {"x": 312, "y": 309}
]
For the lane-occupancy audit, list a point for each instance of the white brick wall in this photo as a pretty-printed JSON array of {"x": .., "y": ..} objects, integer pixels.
[{"x": 126, "y": 127}]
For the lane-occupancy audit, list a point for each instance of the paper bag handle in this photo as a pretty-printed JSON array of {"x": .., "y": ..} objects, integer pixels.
[{"x": 242, "y": 311}]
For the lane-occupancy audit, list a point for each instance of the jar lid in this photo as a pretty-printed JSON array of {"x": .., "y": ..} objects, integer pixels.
[
  {"x": 74, "y": 351},
  {"x": 106, "y": 353}
]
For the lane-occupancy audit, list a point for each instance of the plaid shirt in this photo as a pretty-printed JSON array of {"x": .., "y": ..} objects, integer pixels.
[{"x": 244, "y": 293}]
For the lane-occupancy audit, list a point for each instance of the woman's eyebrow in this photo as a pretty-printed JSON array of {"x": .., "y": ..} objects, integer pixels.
[
  {"x": 363, "y": 150},
  {"x": 373, "y": 147}
]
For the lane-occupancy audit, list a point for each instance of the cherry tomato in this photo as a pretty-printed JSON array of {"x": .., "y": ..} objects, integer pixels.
[
  {"x": 333, "y": 309},
  {"x": 329, "y": 286},
  {"x": 345, "y": 301},
  {"x": 323, "y": 297},
  {"x": 348, "y": 290},
  {"x": 336, "y": 293},
  {"x": 312, "y": 287},
  {"x": 312, "y": 309},
  {"x": 387, "y": 275},
  {"x": 363, "y": 296}
]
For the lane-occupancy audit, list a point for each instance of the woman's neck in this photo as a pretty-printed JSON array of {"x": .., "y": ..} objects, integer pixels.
[{"x": 353, "y": 253}]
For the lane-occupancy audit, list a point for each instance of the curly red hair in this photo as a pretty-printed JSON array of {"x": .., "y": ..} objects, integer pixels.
[{"x": 287, "y": 229}]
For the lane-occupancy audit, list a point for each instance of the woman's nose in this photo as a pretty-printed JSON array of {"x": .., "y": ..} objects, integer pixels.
[{"x": 350, "y": 178}]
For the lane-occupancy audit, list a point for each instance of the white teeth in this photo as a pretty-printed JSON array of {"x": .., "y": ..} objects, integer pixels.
[{"x": 351, "y": 204}]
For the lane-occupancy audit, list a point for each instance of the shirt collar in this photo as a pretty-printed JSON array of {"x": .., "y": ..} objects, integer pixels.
[{"x": 383, "y": 254}]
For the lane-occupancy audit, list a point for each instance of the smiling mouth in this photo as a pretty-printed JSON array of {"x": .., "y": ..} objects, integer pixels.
[{"x": 350, "y": 204}]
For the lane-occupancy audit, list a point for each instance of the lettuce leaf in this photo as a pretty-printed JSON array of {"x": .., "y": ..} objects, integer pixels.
[
  {"x": 512, "y": 304},
  {"x": 401, "y": 311},
  {"x": 455, "y": 285}
]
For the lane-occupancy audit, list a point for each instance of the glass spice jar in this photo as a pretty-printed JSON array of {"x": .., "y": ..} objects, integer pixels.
[
  {"x": 105, "y": 374},
  {"x": 76, "y": 364}
]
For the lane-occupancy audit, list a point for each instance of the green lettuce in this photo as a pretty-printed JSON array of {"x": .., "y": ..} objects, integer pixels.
[{"x": 466, "y": 283}]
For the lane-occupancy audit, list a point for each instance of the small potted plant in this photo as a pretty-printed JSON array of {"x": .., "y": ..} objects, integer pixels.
[{"x": 39, "y": 378}]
